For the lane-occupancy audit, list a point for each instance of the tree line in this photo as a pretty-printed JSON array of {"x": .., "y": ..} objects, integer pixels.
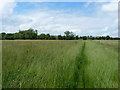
[{"x": 32, "y": 34}]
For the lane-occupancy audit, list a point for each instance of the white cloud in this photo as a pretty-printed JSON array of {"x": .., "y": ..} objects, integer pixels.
[
  {"x": 25, "y": 26},
  {"x": 110, "y": 7},
  {"x": 105, "y": 34},
  {"x": 105, "y": 29},
  {"x": 87, "y": 4},
  {"x": 6, "y": 6},
  {"x": 49, "y": 22},
  {"x": 56, "y": 22}
]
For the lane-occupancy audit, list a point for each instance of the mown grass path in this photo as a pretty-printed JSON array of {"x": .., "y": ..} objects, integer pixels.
[{"x": 79, "y": 74}]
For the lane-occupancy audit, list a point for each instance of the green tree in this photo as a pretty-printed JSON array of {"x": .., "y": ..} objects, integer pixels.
[
  {"x": 77, "y": 37},
  {"x": 28, "y": 34},
  {"x": 41, "y": 36},
  {"x": 16, "y": 36},
  {"x": 9, "y": 36},
  {"x": 52, "y": 38},
  {"x": 3, "y": 35},
  {"x": 60, "y": 37},
  {"x": 84, "y": 37},
  {"x": 107, "y": 37},
  {"x": 67, "y": 33},
  {"x": 47, "y": 36}
]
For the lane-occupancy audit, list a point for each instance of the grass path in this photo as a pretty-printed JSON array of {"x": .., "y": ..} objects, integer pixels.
[{"x": 79, "y": 78}]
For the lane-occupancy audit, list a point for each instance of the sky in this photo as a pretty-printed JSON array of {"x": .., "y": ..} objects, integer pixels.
[{"x": 82, "y": 18}]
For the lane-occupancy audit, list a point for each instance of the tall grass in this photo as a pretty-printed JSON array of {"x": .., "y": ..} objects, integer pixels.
[
  {"x": 0, "y": 64},
  {"x": 39, "y": 63},
  {"x": 59, "y": 64},
  {"x": 102, "y": 65}
]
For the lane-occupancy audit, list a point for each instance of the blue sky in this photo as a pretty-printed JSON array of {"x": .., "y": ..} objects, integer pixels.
[
  {"x": 21, "y": 6},
  {"x": 82, "y": 18},
  {"x": 67, "y": 7}
]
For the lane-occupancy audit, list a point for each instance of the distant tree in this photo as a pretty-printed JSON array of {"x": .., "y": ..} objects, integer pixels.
[
  {"x": 64, "y": 38},
  {"x": 90, "y": 37},
  {"x": 41, "y": 36},
  {"x": 52, "y": 38},
  {"x": 72, "y": 36},
  {"x": 77, "y": 37},
  {"x": 93, "y": 38},
  {"x": 16, "y": 36},
  {"x": 60, "y": 37},
  {"x": 33, "y": 34},
  {"x": 47, "y": 36},
  {"x": 67, "y": 33},
  {"x": 36, "y": 32},
  {"x": 84, "y": 37},
  {"x": 3, "y": 35},
  {"x": 80, "y": 37},
  {"x": 9, "y": 36},
  {"x": 0, "y": 36},
  {"x": 107, "y": 37},
  {"x": 28, "y": 34},
  {"x": 102, "y": 38}
]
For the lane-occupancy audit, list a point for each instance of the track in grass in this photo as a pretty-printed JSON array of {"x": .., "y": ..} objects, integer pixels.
[{"x": 79, "y": 70}]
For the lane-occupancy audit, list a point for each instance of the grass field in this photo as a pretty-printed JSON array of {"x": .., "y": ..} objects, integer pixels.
[
  {"x": 0, "y": 64},
  {"x": 60, "y": 64}
]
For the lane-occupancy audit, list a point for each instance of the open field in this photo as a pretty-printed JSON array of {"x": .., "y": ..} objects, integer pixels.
[
  {"x": 60, "y": 64},
  {"x": 0, "y": 64}
]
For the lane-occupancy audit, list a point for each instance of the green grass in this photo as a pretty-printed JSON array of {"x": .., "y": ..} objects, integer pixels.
[
  {"x": 0, "y": 64},
  {"x": 102, "y": 67},
  {"x": 59, "y": 64}
]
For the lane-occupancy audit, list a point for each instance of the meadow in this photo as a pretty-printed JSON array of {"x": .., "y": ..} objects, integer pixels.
[
  {"x": 59, "y": 64},
  {"x": 0, "y": 64}
]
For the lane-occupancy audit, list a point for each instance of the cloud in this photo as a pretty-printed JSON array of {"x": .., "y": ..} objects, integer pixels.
[
  {"x": 110, "y": 7},
  {"x": 56, "y": 21},
  {"x": 6, "y": 6},
  {"x": 87, "y": 4}
]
